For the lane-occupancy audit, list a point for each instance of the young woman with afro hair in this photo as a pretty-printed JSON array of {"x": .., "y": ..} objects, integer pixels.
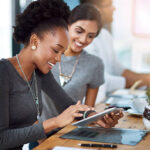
[{"x": 42, "y": 28}]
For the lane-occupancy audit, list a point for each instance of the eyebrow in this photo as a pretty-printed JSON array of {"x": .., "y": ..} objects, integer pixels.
[
  {"x": 60, "y": 45},
  {"x": 84, "y": 30}
]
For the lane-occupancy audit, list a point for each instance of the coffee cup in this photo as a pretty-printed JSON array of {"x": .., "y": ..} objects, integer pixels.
[{"x": 139, "y": 104}]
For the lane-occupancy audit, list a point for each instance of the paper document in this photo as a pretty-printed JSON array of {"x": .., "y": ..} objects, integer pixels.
[
  {"x": 68, "y": 148},
  {"x": 139, "y": 93}
]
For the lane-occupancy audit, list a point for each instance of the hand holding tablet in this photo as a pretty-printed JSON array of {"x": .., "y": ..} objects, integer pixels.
[{"x": 96, "y": 117}]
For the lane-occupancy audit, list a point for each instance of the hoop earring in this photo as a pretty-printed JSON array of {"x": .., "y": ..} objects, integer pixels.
[{"x": 33, "y": 47}]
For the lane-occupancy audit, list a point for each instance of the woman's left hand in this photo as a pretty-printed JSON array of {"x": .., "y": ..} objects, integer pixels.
[{"x": 109, "y": 121}]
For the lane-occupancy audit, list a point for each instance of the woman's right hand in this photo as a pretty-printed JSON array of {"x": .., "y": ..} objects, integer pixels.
[
  {"x": 71, "y": 113},
  {"x": 65, "y": 117}
]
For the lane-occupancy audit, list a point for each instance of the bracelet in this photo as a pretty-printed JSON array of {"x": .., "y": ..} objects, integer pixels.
[{"x": 86, "y": 113}]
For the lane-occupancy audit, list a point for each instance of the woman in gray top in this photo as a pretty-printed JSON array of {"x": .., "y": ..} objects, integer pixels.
[
  {"x": 42, "y": 28},
  {"x": 79, "y": 73}
]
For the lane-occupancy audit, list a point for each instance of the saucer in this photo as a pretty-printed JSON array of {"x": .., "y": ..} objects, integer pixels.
[{"x": 133, "y": 112}]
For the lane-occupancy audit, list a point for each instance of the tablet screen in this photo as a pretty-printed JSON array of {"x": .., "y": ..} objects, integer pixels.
[{"x": 93, "y": 118}]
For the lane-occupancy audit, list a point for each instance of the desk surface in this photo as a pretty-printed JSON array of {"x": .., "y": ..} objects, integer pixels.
[{"x": 127, "y": 121}]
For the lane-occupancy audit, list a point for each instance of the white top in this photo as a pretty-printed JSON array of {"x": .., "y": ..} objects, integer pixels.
[{"x": 102, "y": 46}]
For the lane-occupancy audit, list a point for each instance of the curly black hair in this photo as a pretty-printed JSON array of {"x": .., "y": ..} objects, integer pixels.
[
  {"x": 85, "y": 12},
  {"x": 94, "y": 2},
  {"x": 40, "y": 16}
]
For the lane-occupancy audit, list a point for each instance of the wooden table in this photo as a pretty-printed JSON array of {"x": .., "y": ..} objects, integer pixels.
[{"x": 127, "y": 121}]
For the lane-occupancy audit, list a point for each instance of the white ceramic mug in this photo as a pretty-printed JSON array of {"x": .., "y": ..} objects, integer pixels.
[{"x": 139, "y": 104}]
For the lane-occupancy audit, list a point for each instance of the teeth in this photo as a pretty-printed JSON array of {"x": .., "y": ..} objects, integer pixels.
[
  {"x": 78, "y": 44},
  {"x": 51, "y": 64}
]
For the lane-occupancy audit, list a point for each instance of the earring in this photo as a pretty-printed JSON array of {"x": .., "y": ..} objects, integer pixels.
[{"x": 33, "y": 47}]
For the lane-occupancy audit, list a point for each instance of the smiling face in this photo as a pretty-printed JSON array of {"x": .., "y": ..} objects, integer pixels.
[
  {"x": 50, "y": 48},
  {"x": 81, "y": 34}
]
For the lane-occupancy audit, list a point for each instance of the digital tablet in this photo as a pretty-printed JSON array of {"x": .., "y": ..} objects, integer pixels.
[{"x": 93, "y": 118}]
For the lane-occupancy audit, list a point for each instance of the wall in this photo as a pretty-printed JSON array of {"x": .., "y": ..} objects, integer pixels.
[{"x": 72, "y": 3}]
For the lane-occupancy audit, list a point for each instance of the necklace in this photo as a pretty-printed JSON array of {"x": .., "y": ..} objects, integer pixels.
[
  {"x": 64, "y": 79},
  {"x": 34, "y": 96}
]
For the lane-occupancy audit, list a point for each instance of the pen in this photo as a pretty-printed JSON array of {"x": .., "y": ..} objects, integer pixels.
[{"x": 99, "y": 145}]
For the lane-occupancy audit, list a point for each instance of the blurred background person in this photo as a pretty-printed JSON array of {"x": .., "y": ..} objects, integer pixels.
[{"x": 116, "y": 75}]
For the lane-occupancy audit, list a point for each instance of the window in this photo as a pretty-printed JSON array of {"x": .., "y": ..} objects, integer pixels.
[
  {"x": 5, "y": 29},
  {"x": 141, "y": 18}
]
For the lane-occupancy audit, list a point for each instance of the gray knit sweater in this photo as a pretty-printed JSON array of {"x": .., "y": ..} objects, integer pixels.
[{"x": 17, "y": 108}]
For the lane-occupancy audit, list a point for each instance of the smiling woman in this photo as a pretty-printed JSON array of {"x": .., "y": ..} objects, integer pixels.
[
  {"x": 79, "y": 73},
  {"x": 84, "y": 25},
  {"x": 48, "y": 53},
  {"x": 42, "y": 28}
]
